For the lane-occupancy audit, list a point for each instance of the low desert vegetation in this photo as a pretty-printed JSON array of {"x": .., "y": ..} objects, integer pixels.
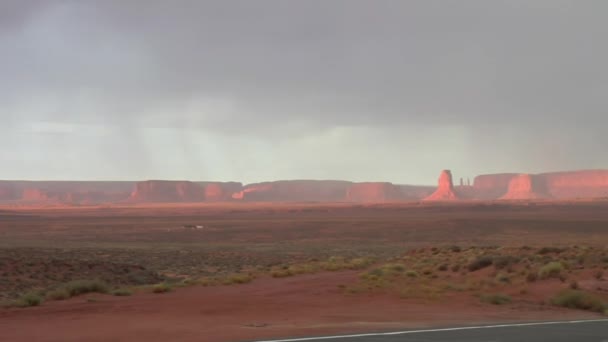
[
  {"x": 162, "y": 288},
  {"x": 122, "y": 292},
  {"x": 553, "y": 269},
  {"x": 27, "y": 300},
  {"x": 496, "y": 299},
  {"x": 576, "y": 299},
  {"x": 76, "y": 288},
  {"x": 495, "y": 275}
]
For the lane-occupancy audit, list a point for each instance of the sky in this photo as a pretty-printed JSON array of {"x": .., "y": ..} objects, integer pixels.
[{"x": 319, "y": 89}]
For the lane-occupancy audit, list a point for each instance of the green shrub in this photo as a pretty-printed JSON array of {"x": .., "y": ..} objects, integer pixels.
[
  {"x": 238, "y": 278},
  {"x": 411, "y": 274},
  {"x": 496, "y": 299},
  {"x": 503, "y": 278},
  {"x": 455, "y": 249},
  {"x": 122, "y": 292},
  {"x": 360, "y": 263},
  {"x": 29, "y": 299},
  {"x": 280, "y": 273},
  {"x": 576, "y": 299},
  {"x": 551, "y": 270},
  {"x": 58, "y": 294},
  {"x": 79, "y": 287},
  {"x": 547, "y": 250},
  {"x": 501, "y": 262},
  {"x": 161, "y": 288},
  {"x": 394, "y": 267},
  {"x": 479, "y": 263}
]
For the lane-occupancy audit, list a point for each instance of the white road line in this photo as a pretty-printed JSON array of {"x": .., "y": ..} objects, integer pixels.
[{"x": 434, "y": 330}]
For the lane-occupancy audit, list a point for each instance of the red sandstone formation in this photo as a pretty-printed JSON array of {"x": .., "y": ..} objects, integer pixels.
[
  {"x": 295, "y": 190},
  {"x": 167, "y": 191},
  {"x": 414, "y": 192},
  {"x": 525, "y": 186},
  {"x": 219, "y": 191},
  {"x": 559, "y": 185},
  {"x": 576, "y": 184},
  {"x": 445, "y": 190},
  {"x": 37, "y": 196},
  {"x": 8, "y": 192},
  {"x": 492, "y": 186},
  {"x": 373, "y": 192}
]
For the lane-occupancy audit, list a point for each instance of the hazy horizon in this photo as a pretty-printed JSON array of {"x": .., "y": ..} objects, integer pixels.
[{"x": 250, "y": 91}]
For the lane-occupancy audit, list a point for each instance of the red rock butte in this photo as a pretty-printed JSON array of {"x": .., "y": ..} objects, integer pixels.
[
  {"x": 566, "y": 185},
  {"x": 445, "y": 189},
  {"x": 525, "y": 186}
]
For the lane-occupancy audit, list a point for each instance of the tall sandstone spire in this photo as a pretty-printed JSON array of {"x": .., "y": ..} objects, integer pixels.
[{"x": 445, "y": 190}]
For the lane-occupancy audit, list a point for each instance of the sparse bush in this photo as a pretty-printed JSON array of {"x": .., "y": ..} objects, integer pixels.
[
  {"x": 398, "y": 268},
  {"x": 503, "y": 278},
  {"x": 443, "y": 267},
  {"x": 29, "y": 299},
  {"x": 496, "y": 299},
  {"x": 599, "y": 275},
  {"x": 161, "y": 288},
  {"x": 77, "y": 287},
  {"x": 122, "y": 292},
  {"x": 58, "y": 294},
  {"x": 239, "y": 278},
  {"x": 280, "y": 273},
  {"x": 411, "y": 274},
  {"x": 574, "y": 285},
  {"x": 456, "y": 268},
  {"x": 576, "y": 299},
  {"x": 551, "y": 270},
  {"x": 479, "y": 263},
  {"x": 547, "y": 250},
  {"x": 531, "y": 277},
  {"x": 501, "y": 262}
]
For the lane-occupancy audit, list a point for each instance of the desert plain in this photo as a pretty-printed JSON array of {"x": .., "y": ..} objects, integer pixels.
[{"x": 250, "y": 271}]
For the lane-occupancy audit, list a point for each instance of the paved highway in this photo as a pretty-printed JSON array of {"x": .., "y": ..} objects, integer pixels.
[{"x": 568, "y": 331}]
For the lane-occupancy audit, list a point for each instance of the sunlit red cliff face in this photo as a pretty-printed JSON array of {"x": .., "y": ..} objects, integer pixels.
[
  {"x": 66, "y": 192},
  {"x": 295, "y": 190},
  {"x": 504, "y": 187},
  {"x": 556, "y": 185},
  {"x": 526, "y": 186},
  {"x": 373, "y": 192},
  {"x": 183, "y": 191}
]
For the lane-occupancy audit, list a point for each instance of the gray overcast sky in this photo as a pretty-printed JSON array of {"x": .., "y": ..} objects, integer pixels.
[{"x": 323, "y": 89}]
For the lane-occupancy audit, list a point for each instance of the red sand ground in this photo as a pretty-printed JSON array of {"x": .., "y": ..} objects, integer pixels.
[{"x": 299, "y": 306}]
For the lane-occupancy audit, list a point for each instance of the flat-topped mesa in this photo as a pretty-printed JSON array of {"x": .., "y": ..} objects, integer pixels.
[
  {"x": 167, "y": 191},
  {"x": 525, "y": 186},
  {"x": 220, "y": 191},
  {"x": 294, "y": 191},
  {"x": 445, "y": 190},
  {"x": 373, "y": 192},
  {"x": 576, "y": 184},
  {"x": 492, "y": 186}
]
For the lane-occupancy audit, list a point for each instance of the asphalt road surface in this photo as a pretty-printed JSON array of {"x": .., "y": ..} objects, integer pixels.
[{"x": 567, "y": 331}]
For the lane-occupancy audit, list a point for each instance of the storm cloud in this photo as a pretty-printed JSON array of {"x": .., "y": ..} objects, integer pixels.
[{"x": 262, "y": 90}]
